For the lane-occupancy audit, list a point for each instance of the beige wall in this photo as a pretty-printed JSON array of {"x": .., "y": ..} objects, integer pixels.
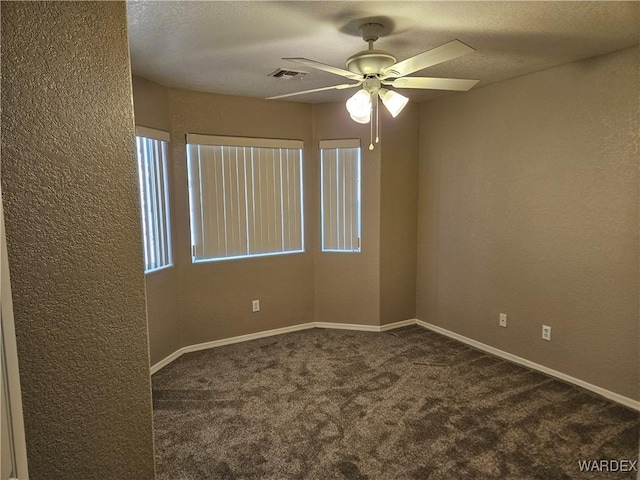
[
  {"x": 195, "y": 303},
  {"x": 190, "y": 304},
  {"x": 73, "y": 235},
  {"x": 216, "y": 296},
  {"x": 529, "y": 206},
  {"x": 347, "y": 285},
  {"x": 151, "y": 105},
  {"x": 399, "y": 214}
]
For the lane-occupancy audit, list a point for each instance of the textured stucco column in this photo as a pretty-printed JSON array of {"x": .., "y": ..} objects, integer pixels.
[{"x": 73, "y": 233}]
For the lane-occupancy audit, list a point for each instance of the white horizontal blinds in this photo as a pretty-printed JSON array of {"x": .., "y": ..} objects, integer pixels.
[
  {"x": 154, "y": 199},
  {"x": 340, "y": 192},
  {"x": 245, "y": 199}
]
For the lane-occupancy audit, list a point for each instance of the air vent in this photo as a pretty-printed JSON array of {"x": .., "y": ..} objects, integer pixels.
[{"x": 287, "y": 74}]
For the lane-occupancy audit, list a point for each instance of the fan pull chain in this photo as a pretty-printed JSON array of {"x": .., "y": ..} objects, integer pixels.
[
  {"x": 377, "y": 120},
  {"x": 371, "y": 124}
]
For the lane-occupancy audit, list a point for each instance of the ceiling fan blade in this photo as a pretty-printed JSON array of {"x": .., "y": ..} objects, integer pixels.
[
  {"x": 325, "y": 67},
  {"x": 436, "y": 55},
  {"x": 337, "y": 87},
  {"x": 431, "y": 83}
]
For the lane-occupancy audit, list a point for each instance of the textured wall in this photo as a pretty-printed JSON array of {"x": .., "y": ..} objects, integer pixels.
[
  {"x": 529, "y": 206},
  {"x": 347, "y": 285},
  {"x": 73, "y": 234},
  {"x": 216, "y": 296},
  {"x": 151, "y": 105},
  {"x": 399, "y": 214}
]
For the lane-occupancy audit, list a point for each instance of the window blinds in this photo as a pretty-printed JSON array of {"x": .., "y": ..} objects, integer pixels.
[
  {"x": 340, "y": 192},
  {"x": 245, "y": 196},
  {"x": 153, "y": 181}
]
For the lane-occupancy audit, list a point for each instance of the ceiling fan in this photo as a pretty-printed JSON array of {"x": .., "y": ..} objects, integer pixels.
[{"x": 376, "y": 69}]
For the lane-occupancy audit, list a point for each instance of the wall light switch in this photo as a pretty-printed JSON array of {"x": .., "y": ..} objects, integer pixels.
[
  {"x": 503, "y": 320},
  {"x": 255, "y": 305}
]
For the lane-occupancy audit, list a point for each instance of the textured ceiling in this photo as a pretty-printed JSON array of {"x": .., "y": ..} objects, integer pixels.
[{"x": 231, "y": 47}]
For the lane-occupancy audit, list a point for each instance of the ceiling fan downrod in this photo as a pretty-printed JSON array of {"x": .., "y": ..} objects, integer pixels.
[{"x": 371, "y": 61}]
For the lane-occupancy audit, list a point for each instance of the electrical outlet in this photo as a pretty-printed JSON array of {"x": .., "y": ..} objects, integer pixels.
[
  {"x": 546, "y": 333},
  {"x": 503, "y": 320},
  {"x": 255, "y": 305}
]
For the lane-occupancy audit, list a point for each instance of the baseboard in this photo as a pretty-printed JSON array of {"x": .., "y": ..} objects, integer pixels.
[
  {"x": 278, "y": 331},
  {"x": 391, "y": 326},
  {"x": 347, "y": 326},
  {"x": 364, "y": 328},
  {"x": 247, "y": 338},
  {"x": 626, "y": 401},
  {"x": 166, "y": 361},
  {"x": 228, "y": 341}
]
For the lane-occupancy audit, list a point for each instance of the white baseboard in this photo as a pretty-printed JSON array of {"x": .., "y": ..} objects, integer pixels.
[
  {"x": 391, "y": 326},
  {"x": 347, "y": 326},
  {"x": 278, "y": 331},
  {"x": 166, "y": 360},
  {"x": 246, "y": 338},
  {"x": 626, "y": 401},
  {"x": 364, "y": 328},
  {"x": 228, "y": 341}
]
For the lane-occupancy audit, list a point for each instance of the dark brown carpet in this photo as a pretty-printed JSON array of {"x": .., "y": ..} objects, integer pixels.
[{"x": 408, "y": 403}]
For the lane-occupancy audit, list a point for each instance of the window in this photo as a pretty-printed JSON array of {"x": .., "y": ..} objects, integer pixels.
[
  {"x": 154, "y": 197},
  {"x": 245, "y": 197},
  {"x": 340, "y": 192}
]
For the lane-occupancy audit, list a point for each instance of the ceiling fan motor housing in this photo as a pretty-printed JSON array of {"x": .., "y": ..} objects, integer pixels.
[{"x": 370, "y": 62}]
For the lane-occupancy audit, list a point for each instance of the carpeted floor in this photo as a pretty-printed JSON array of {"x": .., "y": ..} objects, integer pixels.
[{"x": 407, "y": 403}]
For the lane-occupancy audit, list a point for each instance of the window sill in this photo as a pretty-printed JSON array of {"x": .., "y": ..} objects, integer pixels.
[
  {"x": 238, "y": 257},
  {"x": 154, "y": 270}
]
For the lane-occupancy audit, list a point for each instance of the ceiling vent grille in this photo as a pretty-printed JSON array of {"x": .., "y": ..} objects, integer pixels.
[{"x": 287, "y": 74}]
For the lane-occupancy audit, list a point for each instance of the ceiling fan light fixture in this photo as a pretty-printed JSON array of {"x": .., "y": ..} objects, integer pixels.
[
  {"x": 363, "y": 119},
  {"x": 394, "y": 102},
  {"x": 359, "y": 105}
]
